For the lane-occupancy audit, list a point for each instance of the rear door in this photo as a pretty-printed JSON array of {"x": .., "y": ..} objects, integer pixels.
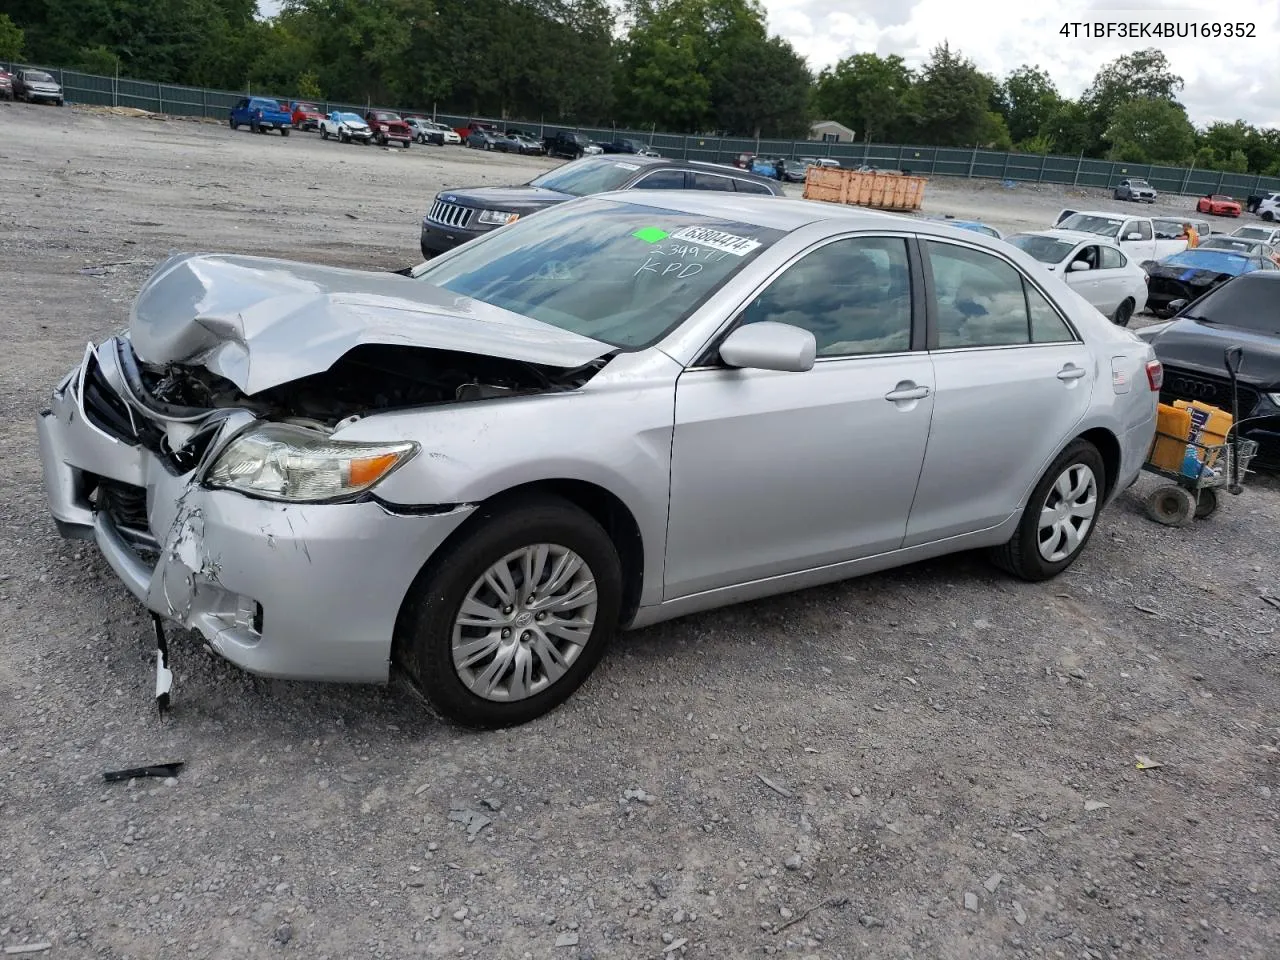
[
  {"x": 1012, "y": 380},
  {"x": 1113, "y": 279},
  {"x": 1087, "y": 283}
]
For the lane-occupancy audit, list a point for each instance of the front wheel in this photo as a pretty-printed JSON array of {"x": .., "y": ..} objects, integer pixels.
[
  {"x": 505, "y": 625},
  {"x": 406, "y": 144},
  {"x": 324, "y": 134},
  {"x": 1060, "y": 516},
  {"x": 1171, "y": 505},
  {"x": 1207, "y": 504},
  {"x": 1123, "y": 313}
]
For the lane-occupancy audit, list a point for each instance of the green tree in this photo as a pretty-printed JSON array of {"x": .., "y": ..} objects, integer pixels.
[
  {"x": 1028, "y": 101},
  {"x": 765, "y": 92},
  {"x": 1141, "y": 75},
  {"x": 865, "y": 92},
  {"x": 955, "y": 99},
  {"x": 1151, "y": 131},
  {"x": 11, "y": 38}
]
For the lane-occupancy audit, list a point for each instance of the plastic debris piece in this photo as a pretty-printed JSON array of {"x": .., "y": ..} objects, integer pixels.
[
  {"x": 775, "y": 787},
  {"x": 1091, "y": 805},
  {"x": 161, "y": 771},
  {"x": 164, "y": 676},
  {"x": 1146, "y": 763}
]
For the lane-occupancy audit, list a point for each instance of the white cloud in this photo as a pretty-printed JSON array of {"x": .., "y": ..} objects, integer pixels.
[{"x": 1225, "y": 79}]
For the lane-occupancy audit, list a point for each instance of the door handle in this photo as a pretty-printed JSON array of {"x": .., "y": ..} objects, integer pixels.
[
  {"x": 1071, "y": 372},
  {"x": 906, "y": 391}
]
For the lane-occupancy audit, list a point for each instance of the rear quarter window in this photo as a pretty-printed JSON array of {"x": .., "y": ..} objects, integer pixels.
[{"x": 750, "y": 186}]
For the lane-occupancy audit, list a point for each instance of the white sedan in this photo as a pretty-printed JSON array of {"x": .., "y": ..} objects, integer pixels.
[{"x": 1096, "y": 269}]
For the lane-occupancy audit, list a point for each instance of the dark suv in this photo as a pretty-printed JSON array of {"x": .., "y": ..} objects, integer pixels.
[
  {"x": 570, "y": 145},
  {"x": 457, "y": 216}
]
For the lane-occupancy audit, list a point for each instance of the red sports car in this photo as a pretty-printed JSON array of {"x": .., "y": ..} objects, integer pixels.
[{"x": 1218, "y": 205}]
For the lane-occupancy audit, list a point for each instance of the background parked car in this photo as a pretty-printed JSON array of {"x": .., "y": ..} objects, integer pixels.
[
  {"x": 1187, "y": 275},
  {"x": 977, "y": 226},
  {"x": 570, "y": 145},
  {"x": 1269, "y": 207},
  {"x": 6, "y": 85},
  {"x": 626, "y": 145},
  {"x": 1218, "y": 205},
  {"x": 795, "y": 171},
  {"x": 457, "y": 216},
  {"x": 36, "y": 86},
  {"x": 305, "y": 116},
  {"x": 1095, "y": 268},
  {"x": 482, "y": 138},
  {"x": 1245, "y": 245},
  {"x": 1136, "y": 190},
  {"x": 1245, "y": 313},
  {"x": 345, "y": 127},
  {"x": 448, "y": 133},
  {"x": 260, "y": 114},
  {"x": 422, "y": 131},
  {"x": 518, "y": 143},
  {"x": 388, "y": 128},
  {"x": 1256, "y": 231}
]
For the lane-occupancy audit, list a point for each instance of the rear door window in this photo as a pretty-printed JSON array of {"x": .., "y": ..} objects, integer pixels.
[
  {"x": 661, "y": 180},
  {"x": 1110, "y": 258},
  {"x": 711, "y": 181},
  {"x": 750, "y": 186}
]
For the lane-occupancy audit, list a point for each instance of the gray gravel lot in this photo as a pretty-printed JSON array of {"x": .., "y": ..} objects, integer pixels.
[{"x": 936, "y": 740}]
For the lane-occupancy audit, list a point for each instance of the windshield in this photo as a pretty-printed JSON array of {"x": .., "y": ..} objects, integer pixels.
[
  {"x": 1221, "y": 261},
  {"x": 587, "y": 176},
  {"x": 617, "y": 272},
  {"x": 1240, "y": 244},
  {"x": 39, "y": 76},
  {"x": 387, "y": 116},
  {"x": 1255, "y": 233},
  {"x": 1250, "y": 302},
  {"x": 308, "y": 108},
  {"x": 349, "y": 118},
  {"x": 1044, "y": 249},
  {"x": 1091, "y": 223}
]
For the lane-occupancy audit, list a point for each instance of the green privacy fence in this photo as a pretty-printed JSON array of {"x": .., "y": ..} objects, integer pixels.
[{"x": 922, "y": 161}]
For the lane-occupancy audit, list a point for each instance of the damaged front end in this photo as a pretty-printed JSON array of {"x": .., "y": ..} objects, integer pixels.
[{"x": 200, "y": 501}]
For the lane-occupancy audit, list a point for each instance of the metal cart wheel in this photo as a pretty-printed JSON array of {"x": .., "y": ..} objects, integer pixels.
[
  {"x": 1207, "y": 506},
  {"x": 1171, "y": 505}
]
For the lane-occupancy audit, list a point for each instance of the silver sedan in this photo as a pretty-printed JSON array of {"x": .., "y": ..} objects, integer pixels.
[{"x": 620, "y": 410}]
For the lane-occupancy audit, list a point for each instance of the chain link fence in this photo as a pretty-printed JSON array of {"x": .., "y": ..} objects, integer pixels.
[{"x": 922, "y": 161}]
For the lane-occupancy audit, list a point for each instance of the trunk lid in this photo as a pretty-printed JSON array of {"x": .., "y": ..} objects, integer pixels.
[{"x": 260, "y": 322}]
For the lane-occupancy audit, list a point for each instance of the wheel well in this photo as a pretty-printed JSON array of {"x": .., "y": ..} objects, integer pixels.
[
  {"x": 1109, "y": 447},
  {"x": 604, "y": 507}
]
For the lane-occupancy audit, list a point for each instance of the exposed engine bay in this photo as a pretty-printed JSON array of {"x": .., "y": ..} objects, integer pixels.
[{"x": 368, "y": 379}]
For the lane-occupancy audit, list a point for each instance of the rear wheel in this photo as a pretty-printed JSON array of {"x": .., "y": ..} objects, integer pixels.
[
  {"x": 506, "y": 624},
  {"x": 232, "y": 124},
  {"x": 1207, "y": 504},
  {"x": 1267, "y": 215},
  {"x": 1060, "y": 516},
  {"x": 1123, "y": 313},
  {"x": 284, "y": 131}
]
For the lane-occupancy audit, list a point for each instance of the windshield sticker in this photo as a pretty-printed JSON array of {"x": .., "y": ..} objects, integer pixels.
[
  {"x": 650, "y": 234},
  {"x": 716, "y": 240},
  {"x": 626, "y": 166}
]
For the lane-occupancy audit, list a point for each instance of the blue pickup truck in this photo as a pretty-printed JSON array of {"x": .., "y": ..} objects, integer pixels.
[{"x": 260, "y": 114}]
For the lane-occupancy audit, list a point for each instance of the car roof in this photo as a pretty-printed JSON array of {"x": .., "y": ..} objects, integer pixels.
[
  {"x": 1075, "y": 236},
  {"x": 1112, "y": 213},
  {"x": 780, "y": 213}
]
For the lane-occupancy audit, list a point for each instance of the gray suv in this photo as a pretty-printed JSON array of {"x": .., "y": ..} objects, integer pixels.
[{"x": 1136, "y": 190}]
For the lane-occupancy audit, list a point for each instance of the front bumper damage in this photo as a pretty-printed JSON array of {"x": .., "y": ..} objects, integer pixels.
[{"x": 300, "y": 591}]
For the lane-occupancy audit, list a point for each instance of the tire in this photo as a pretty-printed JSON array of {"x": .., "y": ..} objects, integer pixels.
[
  {"x": 1171, "y": 505},
  {"x": 343, "y": 138},
  {"x": 1207, "y": 504},
  {"x": 284, "y": 131},
  {"x": 324, "y": 134},
  {"x": 233, "y": 124},
  {"x": 1267, "y": 215},
  {"x": 427, "y": 627},
  {"x": 1079, "y": 465},
  {"x": 406, "y": 144},
  {"x": 1123, "y": 314}
]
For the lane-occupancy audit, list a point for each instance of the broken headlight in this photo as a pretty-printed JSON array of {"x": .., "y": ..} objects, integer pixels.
[{"x": 282, "y": 462}]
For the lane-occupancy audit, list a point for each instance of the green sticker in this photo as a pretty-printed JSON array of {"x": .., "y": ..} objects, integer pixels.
[{"x": 651, "y": 234}]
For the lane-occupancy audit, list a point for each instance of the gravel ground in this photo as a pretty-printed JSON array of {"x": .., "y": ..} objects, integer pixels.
[{"x": 932, "y": 763}]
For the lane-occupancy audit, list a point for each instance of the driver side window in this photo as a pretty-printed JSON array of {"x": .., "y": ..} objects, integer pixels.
[{"x": 853, "y": 295}]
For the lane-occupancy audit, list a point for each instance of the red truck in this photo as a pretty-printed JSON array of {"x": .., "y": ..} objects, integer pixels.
[
  {"x": 388, "y": 128},
  {"x": 306, "y": 116}
]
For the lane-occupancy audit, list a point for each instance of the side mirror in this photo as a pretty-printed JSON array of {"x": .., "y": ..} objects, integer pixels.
[
  {"x": 768, "y": 345},
  {"x": 1133, "y": 236},
  {"x": 1077, "y": 265},
  {"x": 1175, "y": 305}
]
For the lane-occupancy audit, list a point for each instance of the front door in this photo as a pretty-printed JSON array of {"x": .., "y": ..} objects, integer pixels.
[
  {"x": 1012, "y": 380},
  {"x": 773, "y": 473}
]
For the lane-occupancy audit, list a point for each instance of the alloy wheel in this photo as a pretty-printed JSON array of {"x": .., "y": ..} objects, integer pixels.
[
  {"x": 1067, "y": 513},
  {"x": 524, "y": 622}
]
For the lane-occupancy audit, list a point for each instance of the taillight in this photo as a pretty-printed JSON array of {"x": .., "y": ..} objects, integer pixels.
[{"x": 1155, "y": 375}]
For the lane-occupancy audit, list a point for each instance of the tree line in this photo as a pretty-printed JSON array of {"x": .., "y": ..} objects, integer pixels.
[{"x": 683, "y": 66}]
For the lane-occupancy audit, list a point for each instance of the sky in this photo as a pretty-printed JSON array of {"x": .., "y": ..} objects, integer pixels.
[{"x": 1226, "y": 79}]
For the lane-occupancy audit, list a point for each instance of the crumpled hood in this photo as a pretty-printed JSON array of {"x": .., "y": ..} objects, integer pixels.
[
  {"x": 1201, "y": 346},
  {"x": 260, "y": 322}
]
